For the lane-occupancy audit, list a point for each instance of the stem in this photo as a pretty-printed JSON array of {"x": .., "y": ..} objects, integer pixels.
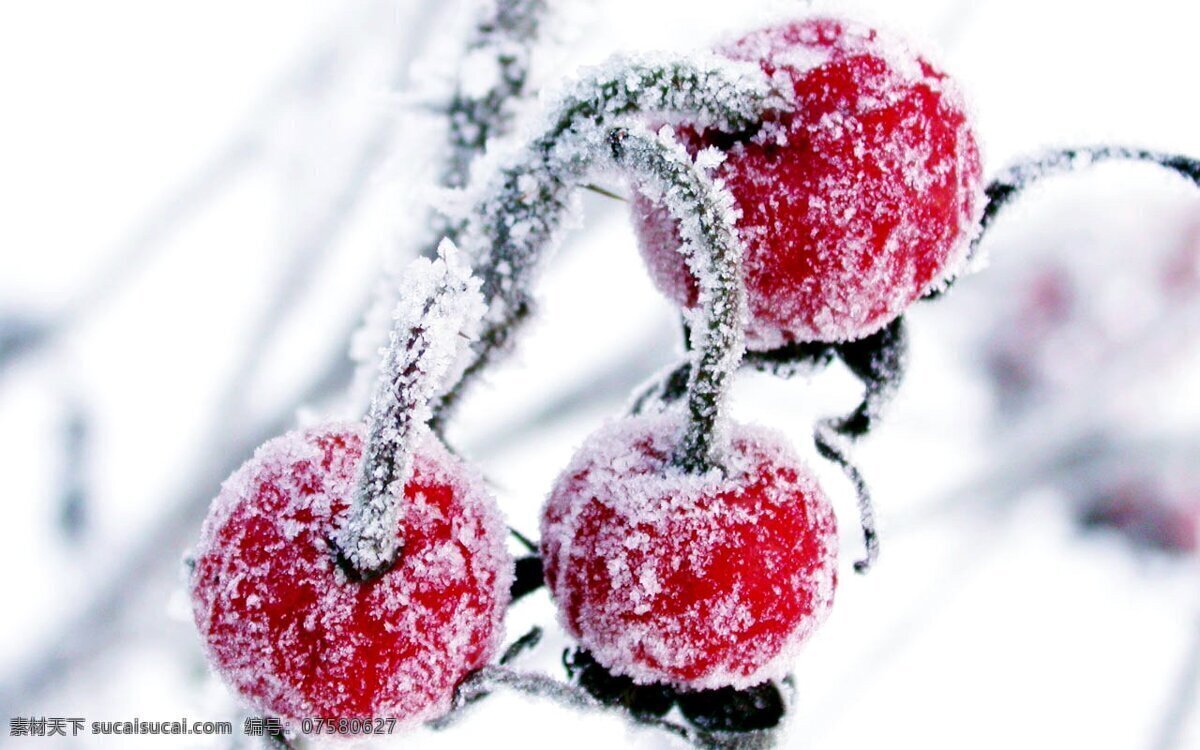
[
  {"x": 1015, "y": 179},
  {"x": 442, "y": 304},
  {"x": 833, "y": 446},
  {"x": 706, "y": 219},
  {"x": 878, "y": 361},
  {"x": 505, "y": 35},
  {"x": 788, "y": 361},
  {"x": 516, "y": 221}
]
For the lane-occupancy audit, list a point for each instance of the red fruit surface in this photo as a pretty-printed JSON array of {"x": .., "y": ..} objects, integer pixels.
[
  {"x": 285, "y": 627},
  {"x": 853, "y": 204},
  {"x": 702, "y": 581}
]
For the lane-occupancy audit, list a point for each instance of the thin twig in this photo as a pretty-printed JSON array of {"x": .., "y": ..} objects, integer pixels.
[{"x": 1185, "y": 695}]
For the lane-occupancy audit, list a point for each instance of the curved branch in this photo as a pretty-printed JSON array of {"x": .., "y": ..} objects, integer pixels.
[
  {"x": 1012, "y": 182},
  {"x": 516, "y": 220},
  {"x": 706, "y": 219}
]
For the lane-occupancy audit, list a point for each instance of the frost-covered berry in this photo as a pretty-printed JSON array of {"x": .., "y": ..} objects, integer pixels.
[
  {"x": 853, "y": 204},
  {"x": 699, "y": 580},
  {"x": 286, "y": 627}
]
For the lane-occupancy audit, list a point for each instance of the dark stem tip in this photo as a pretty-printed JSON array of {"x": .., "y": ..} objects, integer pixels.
[{"x": 353, "y": 572}]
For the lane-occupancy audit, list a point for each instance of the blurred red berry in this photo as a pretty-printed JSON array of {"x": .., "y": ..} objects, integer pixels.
[{"x": 1151, "y": 513}]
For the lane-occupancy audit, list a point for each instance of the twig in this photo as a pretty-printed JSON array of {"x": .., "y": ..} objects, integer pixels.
[
  {"x": 1015, "y": 179},
  {"x": 504, "y": 36},
  {"x": 515, "y": 223},
  {"x": 1185, "y": 694},
  {"x": 438, "y": 314}
]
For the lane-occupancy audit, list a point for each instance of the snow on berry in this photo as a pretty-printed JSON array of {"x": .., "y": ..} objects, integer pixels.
[
  {"x": 855, "y": 202},
  {"x": 285, "y": 626},
  {"x": 700, "y": 580}
]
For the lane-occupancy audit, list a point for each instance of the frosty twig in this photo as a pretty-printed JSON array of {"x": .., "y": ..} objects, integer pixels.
[
  {"x": 504, "y": 38},
  {"x": 515, "y": 221},
  {"x": 442, "y": 308},
  {"x": 706, "y": 222},
  {"x": 1014, "y": 180},
  {"x": 878, "y": 361}
]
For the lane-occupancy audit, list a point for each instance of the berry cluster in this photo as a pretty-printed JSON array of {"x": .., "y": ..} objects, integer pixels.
[{"x": 819, "y": 179}]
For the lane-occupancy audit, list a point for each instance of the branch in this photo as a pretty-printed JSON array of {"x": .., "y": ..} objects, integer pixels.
[
  {"x": 516, "y": 221},
  {"x": 504, "y": 37},
  {"x": 503, "y": 40},
  {"x": 1015, "y": 179}
]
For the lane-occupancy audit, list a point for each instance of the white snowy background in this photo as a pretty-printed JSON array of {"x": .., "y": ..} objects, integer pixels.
[{"x": 195, "y": 200}]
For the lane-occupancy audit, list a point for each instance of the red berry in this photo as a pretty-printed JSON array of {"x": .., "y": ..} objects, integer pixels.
[
  {"x": 1042, "y": 311},
  {"x": 854, "y": 204},
  {"x": 702, "y": 581},
  {"x": 1152, "y": 512},
  {"x": 284, "y": 626}
]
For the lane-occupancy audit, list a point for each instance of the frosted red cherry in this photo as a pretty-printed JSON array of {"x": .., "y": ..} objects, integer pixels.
[
  {"x": 700, "y": 580},
  {"x": 853, "y": 204},
  {"x": 283, "y": 624}
]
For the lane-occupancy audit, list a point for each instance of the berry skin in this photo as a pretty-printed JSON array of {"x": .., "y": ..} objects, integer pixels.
[
  {"x": 701, "y": 581},
  {"x": 854, "y": 204},
  {"x": 285, "y": 627}
]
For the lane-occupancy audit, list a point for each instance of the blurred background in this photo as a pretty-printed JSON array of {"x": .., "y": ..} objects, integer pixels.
[{"x": 197, "y": 202}]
